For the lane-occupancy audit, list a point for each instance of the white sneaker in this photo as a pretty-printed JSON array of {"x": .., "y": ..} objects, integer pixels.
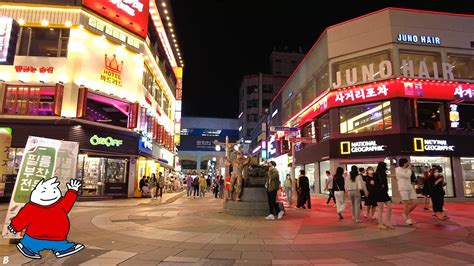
[
  {"x": 409, "y": 222},
  {"x": 270, "y": 217},
  {"x": 280, "y": 214}
]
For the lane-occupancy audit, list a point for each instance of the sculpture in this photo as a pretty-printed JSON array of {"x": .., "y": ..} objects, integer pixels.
[{"x": 238, "y": 165}]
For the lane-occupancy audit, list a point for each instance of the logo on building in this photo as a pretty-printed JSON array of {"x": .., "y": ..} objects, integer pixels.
[
  {"x": 422, "y": 145},
  {"x": 129, "y": 6},
  {"x": 348, "y": 147},
  {"x": 107, "y": 141},
  {"x": 418, "y": 39},
  {"x": 112, "y": 72}
]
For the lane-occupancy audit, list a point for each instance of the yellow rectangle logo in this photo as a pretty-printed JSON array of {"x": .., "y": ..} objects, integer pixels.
[
  {"x": 345, "y": 147},
  {"x": 419, "y": 144}
]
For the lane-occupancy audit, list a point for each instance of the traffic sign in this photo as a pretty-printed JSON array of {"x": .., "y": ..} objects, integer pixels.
[
  {"x": 290, "y": 129},
  {"x": 303, "y": 140}
]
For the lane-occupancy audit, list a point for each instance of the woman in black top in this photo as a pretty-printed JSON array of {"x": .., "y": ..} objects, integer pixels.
[
  {"x": 370, "y": 200},
  {"x": 426, "y": 190},
  {"x": 437, "y": 192},
  {"x": 339, "y": 191},
  {"x": 381, "y": 195}
]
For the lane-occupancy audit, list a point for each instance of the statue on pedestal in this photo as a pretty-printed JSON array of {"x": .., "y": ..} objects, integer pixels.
[{"x": 238, "y": 165}]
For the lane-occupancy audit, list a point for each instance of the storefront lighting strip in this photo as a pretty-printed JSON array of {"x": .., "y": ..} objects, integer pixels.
[
  {"x": 158, "y": 22},
  {"x": 324, "y": 94}
]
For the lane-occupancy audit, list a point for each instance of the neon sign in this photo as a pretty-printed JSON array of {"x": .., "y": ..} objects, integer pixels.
[
  {"x": 460, "y": 92},
  {"x": 129, "y": 6},
  {"x": 32, "y": 69},
  {"x": 421, "y": 145},
  {"x": 114, "y": 33},
  {"x": 454, "y": 115},
  {"x": 8, "y": 39},
  {"x": 421, "y": 39},
  {"x": 348, "y": 147},
  {"x": 107, "y": 141}
]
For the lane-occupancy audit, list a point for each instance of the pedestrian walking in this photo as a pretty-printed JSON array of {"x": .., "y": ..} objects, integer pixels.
[
  {"x": 288, "y": 186},
  {"x": 272, "y": 185},
  {"x": 329, "y": 188},
  {"x": 354, "y": 185},
  {"x": 403, "y": 175},
  {"x": 370, "y": 200},
  {"x": 196, "y": 186},
  {"x": 304, "y": 196},
  {"x": 437, "y": 192},
  {"x": 339, "y": 191},
  {"x": 215, "y": 187},
  {"x": 208, "y": 183},
  {"x": 189, "y": 186},
  {"x": 426, "y": 190},
  {"x": 202, "y": 186},
  {"x": 161, "y": 185},
  {"x": 153, "y": 184},
  {"x": 221, "y": 187},
  {"x": 382, "y": 197}
]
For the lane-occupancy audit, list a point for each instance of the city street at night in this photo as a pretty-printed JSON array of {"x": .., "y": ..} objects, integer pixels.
[{"x": 195, "y": 231}]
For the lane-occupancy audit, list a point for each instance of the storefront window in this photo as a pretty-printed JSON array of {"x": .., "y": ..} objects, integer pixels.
[
  {"x": 410, "y": 62},
  {"x": 309, "y": 130},
  {"x": 365, "y": 118},
  {"x": 322, "y": 80},
  {"x": 107, "y": 110},
  {"x": 323, "y": 179},
  {"x": 463, "y": 66},
  {"x": 429, "y": 115},
  {"x": 467, "y": 165},
  {"x": 323, "y": 129},
  {"x": 50, "y": 42},
  {"x": 466, "y": 116},
  {"x": 96, "y": 173},
  {"x": 26, "y": 100},
  {"x": 421, "y": 164},
  {"x": 357, "y": 63}
]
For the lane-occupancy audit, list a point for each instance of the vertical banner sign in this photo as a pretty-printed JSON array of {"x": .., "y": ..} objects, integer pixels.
[
  {"x": 5, "y": 142},
  {"x": 43, "y": 158}
]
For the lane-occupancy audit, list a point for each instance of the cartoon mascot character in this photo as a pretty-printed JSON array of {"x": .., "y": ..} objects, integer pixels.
[{"x": 46, "y": 220}]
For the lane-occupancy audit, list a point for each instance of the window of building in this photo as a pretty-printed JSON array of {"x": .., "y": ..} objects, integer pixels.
[
  {"x": 51, "y": 42},
  {"x": 365, "y": 118},
  {"x": 252, "y": 89},
  {"x": 107, "y": 110},
  {"x": 266, "y": 103},
  {"x": 252, "y": 118},
  {"x": 323, "y": 129},
  {"x": 467, "y": 165},
  {"x": 466, "y": 116},
  {"x": 322, "y": 80},
  {"x": 32, "y": 100},
  {"x": 323, "y": 178},
  {"x": 421, "y": 164},
  {"x": 309, "y": 130},
  {"x": 297, "y": 103},
  {"x": 267, "y": 88},
  {"x": 252, "y": 103},
  {"x": 166, "y": 106},
  {"x": 427, "y": 115},
  {"x": 357, "y": 63},
  {"x": 417, "y": 57},
  {"x": 463, "y": 66}
]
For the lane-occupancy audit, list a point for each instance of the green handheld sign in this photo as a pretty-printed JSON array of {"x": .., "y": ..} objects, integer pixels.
[{"x": 37, "y": 164}]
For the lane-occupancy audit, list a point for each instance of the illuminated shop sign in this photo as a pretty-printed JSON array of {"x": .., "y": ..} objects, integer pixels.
[
  {"x": 454, "y": 115},
  {"x": 385, "y": 70},
  {"x": 8, "y": 39},
  {"x": 130, "y": 14},
  {"x": 348, "y": 147},
  {"x": 421, "y": 145},
  {"x": 105, "y": 141},
  {"x": 418, "y": 39},
  {"x": 114, "y": 32},
  {"x": 146, "y": 141},
  {"x": 463, "y": 93},
  {"x": 353, "y": 95},
  {"x": 112, "y": 71},
  {"x": 33, "y": 69}
]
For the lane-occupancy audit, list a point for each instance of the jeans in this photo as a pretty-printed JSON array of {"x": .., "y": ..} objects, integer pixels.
[
  {"x": 354, "y": 196},
  {"x": 189, "y": 191},
  {"x": 272, "y": 204},
  {"x": 37, "y": 245},
  {"x": 196, "y": 191},
  {"x": 331, "y": 196},
  {"x": 160, "y": 189},
  {"x": 288, "y": 194}
]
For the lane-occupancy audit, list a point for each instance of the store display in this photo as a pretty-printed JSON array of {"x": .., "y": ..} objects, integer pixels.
[{"x": 467, "y": 165}]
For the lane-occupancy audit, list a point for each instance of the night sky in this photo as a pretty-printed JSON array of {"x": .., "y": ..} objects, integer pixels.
[{"x": 222, "y": 40}]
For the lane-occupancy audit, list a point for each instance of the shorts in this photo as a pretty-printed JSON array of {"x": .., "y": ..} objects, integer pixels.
[{"x": 408, "y": 194}]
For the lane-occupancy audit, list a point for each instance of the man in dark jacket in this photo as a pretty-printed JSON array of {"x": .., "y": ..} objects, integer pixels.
[
  {"x": 303, "y": 189},
  {"x": 272, "y": 185}
]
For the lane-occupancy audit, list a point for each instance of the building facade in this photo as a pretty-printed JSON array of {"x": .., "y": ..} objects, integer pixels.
[
  {"x": 197, "y": 148},
  {"x": 257, "y": 91},
  {"x": 107, "y": 75},
  {"x": 367, "y": 94}
]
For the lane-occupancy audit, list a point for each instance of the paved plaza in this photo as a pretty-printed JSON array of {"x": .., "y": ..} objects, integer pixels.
[{"x": 197, "y": 232}]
